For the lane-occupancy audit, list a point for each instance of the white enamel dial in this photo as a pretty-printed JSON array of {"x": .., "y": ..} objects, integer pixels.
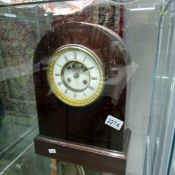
[{"x": 75, "y": 75}]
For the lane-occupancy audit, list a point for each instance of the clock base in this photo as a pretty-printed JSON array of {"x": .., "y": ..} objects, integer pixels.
[{"x": 91, "y": 157}]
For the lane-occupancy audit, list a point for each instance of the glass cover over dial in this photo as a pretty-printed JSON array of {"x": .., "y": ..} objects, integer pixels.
[{"x": 75, "y": 75}]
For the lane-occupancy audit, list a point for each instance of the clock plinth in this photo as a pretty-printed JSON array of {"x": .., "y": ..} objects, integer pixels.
[
  {"x": 90, "y": 157},
  {"x": 69, "y": 122}
]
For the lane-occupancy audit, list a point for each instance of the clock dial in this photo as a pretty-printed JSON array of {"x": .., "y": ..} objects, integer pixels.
[{"x": 75, "y": 75}]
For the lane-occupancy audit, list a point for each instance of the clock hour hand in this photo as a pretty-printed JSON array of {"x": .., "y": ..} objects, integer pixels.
[
  {"x": 89, "y": 68},
  {"x": 76, "y": 67}
]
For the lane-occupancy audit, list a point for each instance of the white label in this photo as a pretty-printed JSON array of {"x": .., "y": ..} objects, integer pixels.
[
  {"x": 52, "y": 151},
  {"x": 114, "y": 122}
]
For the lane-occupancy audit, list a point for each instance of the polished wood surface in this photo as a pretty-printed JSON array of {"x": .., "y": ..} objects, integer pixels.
[{"x": 90, "y": 157}]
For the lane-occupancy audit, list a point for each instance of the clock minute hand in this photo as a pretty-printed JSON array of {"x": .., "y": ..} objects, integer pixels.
[{"x": 88, "y": 68}]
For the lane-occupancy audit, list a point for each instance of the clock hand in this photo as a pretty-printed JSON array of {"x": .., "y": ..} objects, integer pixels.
[
  {"x": 89, "y": 68},
  {"x": 76, "y": 75},
  {"x": 76, "y": 67}
]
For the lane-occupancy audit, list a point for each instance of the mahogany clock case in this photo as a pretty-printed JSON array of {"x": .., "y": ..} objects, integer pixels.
[{"x": 84, "y": 126}]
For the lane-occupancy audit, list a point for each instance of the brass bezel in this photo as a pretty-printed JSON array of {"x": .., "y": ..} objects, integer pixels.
[{"x": 53, "y": 86}]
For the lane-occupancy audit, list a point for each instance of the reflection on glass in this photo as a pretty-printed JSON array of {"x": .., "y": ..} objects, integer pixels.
[
  {"x": 17, "y": 100},
  {"x": 172, "y": 163}
]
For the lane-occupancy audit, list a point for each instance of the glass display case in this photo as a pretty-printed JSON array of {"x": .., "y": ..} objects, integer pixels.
[
  {"x": 171, "y": 168},
  {"x": 88, "y": 83}
]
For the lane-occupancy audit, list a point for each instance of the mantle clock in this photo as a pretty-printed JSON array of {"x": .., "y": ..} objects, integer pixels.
[{"x": 80, "y": 79}]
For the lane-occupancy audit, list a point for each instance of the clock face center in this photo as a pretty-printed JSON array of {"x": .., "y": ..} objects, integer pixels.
[{"x": 75, "y": 76}]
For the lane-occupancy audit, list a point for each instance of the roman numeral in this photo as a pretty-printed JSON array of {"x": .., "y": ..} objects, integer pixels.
[
  {"x": 66, "y": 91},
  {"x": 59, "y": 65},
  {"x": 94, "y": 78},
  {"x": 65, "y": 57},
  {"x": 84, "y": 59},
  {"x": 75, "y": 55},
  {"x": 91, "y": 88},
  {"x": 57, "y": 74},
  {"x": 75, "y": 95},
  {"x": 59, "y": 83}
]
